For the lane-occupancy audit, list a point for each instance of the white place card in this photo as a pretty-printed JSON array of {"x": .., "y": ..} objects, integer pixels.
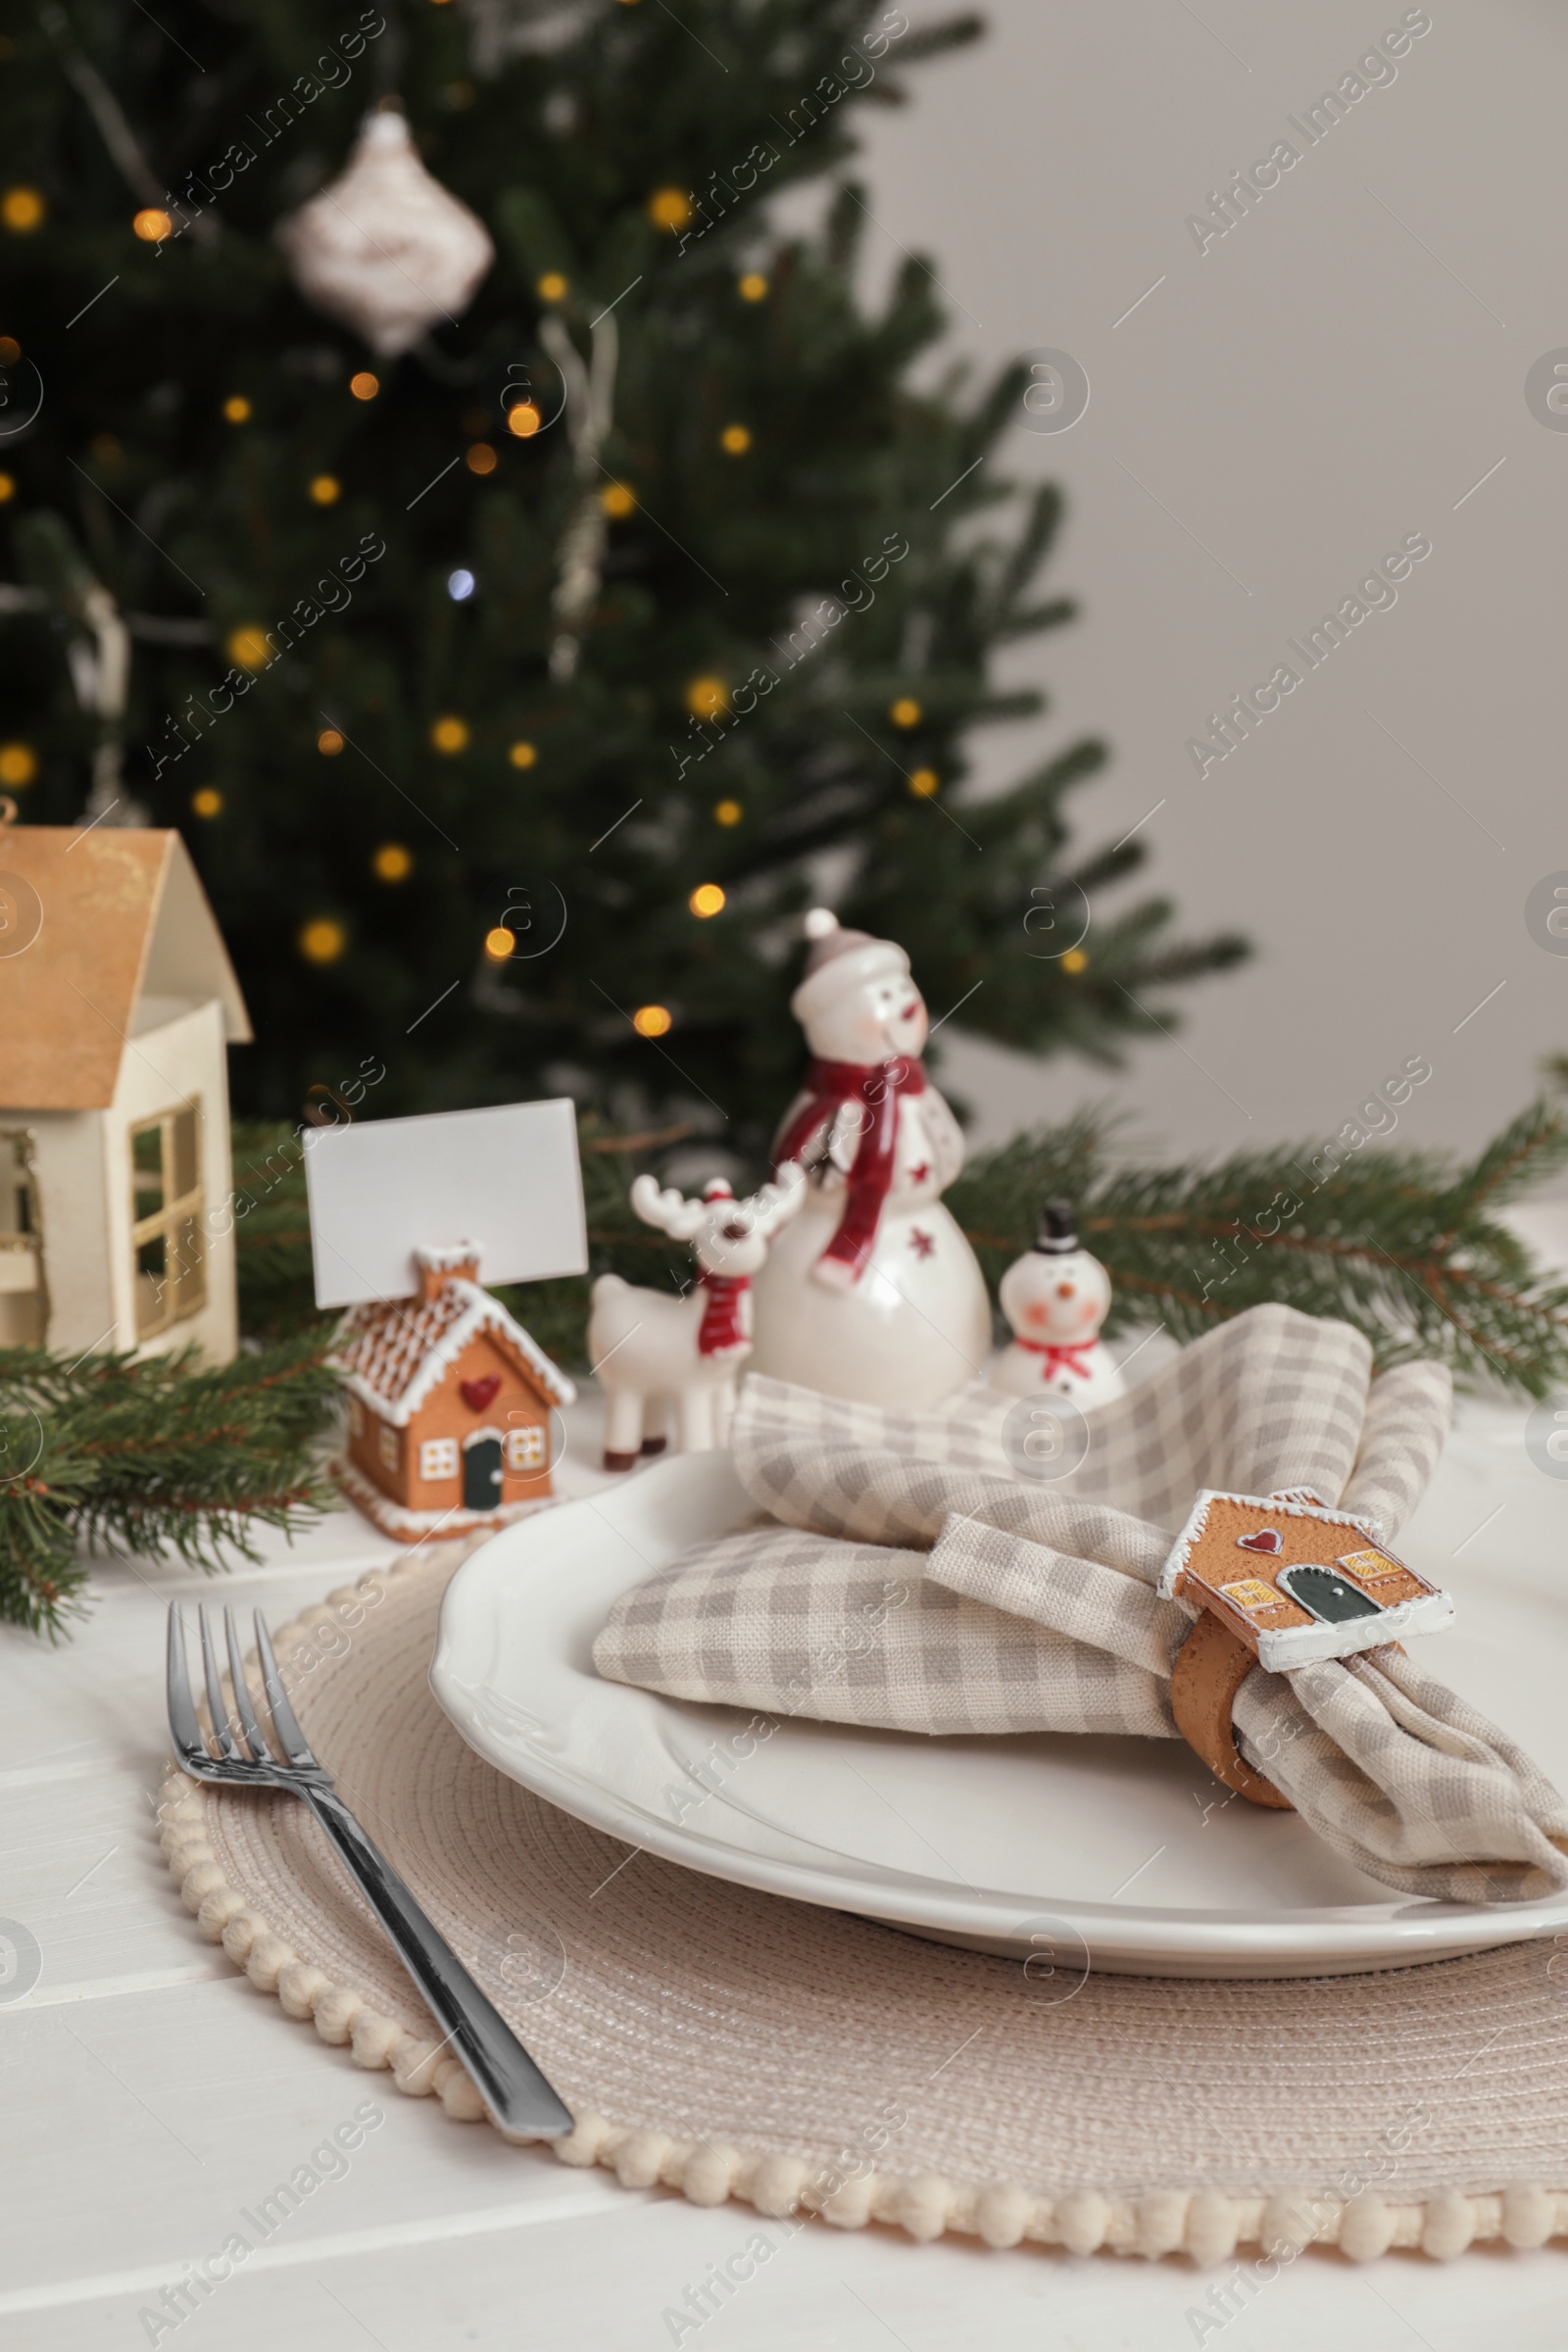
[{"x": 507, "y": 1179}]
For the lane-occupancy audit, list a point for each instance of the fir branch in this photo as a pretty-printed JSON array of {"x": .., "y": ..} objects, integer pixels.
[
  {"x": 1531, "y": 1146},
  {"x": 1398, "y": 1243},
  {"x": 148, "y": 1457}
]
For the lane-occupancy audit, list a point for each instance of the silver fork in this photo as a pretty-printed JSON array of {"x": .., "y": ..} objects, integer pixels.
[{"x": 521, "y": 2103}]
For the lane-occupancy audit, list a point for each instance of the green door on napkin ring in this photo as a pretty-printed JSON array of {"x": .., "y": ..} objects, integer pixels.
[
  {"x": 481, "y": 1474},
  {"x": 1330, "y": 1596}
]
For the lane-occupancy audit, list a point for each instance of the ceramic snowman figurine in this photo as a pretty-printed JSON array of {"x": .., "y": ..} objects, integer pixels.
[
  {"x": 872, "y": 1291},
  {"x": 1055, "y": 1297}
]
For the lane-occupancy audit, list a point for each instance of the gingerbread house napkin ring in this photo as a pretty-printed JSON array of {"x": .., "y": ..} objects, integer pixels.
[{"x": 1281, "y": 1581}]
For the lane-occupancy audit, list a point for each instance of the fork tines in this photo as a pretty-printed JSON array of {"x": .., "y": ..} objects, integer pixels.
[{"x": 192, "y": 1740}]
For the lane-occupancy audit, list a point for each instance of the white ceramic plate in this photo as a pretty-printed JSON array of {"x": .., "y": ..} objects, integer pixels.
[{"x": 1105, "y": 1853}]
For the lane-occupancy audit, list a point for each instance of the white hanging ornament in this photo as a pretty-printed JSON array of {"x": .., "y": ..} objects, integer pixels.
[
  {"x": 1056, "y": 1298},
  {"x": 872, "y": 1293},
  {"x": 386, "y": 248}
]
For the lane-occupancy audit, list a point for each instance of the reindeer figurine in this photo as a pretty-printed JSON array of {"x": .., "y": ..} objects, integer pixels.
[{"x": 650, "y": 1352}]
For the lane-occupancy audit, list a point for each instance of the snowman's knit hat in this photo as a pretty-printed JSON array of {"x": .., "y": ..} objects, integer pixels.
[
  {"x": 838, "y": 961},
  {"x": 1057, "y": 1232}
]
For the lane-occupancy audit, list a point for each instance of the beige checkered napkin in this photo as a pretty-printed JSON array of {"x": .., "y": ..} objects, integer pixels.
[
  {"x": 790, "y": 1624},
  {"x": 922, "y": 1580}
]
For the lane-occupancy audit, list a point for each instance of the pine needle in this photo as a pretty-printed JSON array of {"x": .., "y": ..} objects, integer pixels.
[{"x": 147, "y": 1459}]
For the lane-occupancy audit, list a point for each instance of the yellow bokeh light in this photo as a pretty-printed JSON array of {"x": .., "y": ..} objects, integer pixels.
[
  {"x": 10, "y": 351},
  {"x": 737, "y": 439},
  {"x": 523, "y": 755},
  {"x": 617, "y": 498},
  {"x": 924, "y": 782},
  {"x": 707, "y": 899},
  {"x": 525, "y": 421},
  {"x": 499, "y": 943},
  {"x": 325, "y": 489},
  {"x": 905, "y": 712},
  {"x": 18, "y": 763},
  {"x": 7, "y": 487},
  {"x": 237, "y": 408},
  {"x": 331, "y": 741},
  {"x": 669, "y": 208},
  {"x": 650, "y": 1020},
  {"x": 450, "y": 734},
  {"x": 322, "y": 941},
  {"x": 728, "y": 813},
  {"x": 209, "y": 802},
  {"x": 552, "y": 288},
  {"x": 392, "y": 862},
  {"x": 151, "y": 224},
  {"x": 706, "y": 697},
  {"x": 248, "y": 647},
  {"x": 22, "y": 209},
  {"x": 1075, "y": 960},
  {"x": 365, "y": 385},
  {"x": 481, "y": 459},
  {"x": 753, "y": 287}
]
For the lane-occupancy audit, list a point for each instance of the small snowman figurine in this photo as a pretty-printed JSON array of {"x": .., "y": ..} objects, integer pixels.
[
  {"x": 1056, "y": 1298},
  {"x": 872, "y": 1293}
]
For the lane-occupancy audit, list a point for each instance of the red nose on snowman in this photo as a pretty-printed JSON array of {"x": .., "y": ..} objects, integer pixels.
[{"x": 1056, "y": 1298}]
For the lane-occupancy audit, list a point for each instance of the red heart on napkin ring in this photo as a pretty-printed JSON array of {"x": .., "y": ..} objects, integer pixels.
[
  {"x": 476, "y": 1394},
  {"x": 1267, "y": 1538}
]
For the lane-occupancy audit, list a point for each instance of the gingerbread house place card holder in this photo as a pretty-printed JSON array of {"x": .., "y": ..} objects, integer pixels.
[
  {"x": 1298, "y": 1580},
  {"x": 451, "y": 1405}
]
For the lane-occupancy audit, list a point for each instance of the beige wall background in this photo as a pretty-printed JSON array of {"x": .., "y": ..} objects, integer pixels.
[{"x": 1338, "y": 371}]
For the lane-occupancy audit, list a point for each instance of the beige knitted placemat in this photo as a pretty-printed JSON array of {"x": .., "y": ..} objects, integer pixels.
[{"x": 736, "y": 2044}]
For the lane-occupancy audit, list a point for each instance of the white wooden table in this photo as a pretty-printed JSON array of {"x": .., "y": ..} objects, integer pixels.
[{"x": 148, "y": 2094}]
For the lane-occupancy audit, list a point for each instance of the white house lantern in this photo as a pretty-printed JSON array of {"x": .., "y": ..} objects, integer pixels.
[{"x": 117, "y": 1003}]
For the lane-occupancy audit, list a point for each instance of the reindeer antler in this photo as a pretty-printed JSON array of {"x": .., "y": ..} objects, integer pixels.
[
  {"x": 775, "y": 1204},
  {"x": 668, "y": 1209}
]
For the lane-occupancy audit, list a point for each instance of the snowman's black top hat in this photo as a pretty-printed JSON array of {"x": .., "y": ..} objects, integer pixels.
[{"x": 1059, "y": 1229}]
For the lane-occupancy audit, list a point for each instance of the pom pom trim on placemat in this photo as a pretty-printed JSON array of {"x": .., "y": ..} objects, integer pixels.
[{"x": 1205, "y": 2224}]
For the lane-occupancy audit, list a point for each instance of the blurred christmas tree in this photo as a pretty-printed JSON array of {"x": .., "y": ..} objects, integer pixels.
[{"x": 686, "y": 598}]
